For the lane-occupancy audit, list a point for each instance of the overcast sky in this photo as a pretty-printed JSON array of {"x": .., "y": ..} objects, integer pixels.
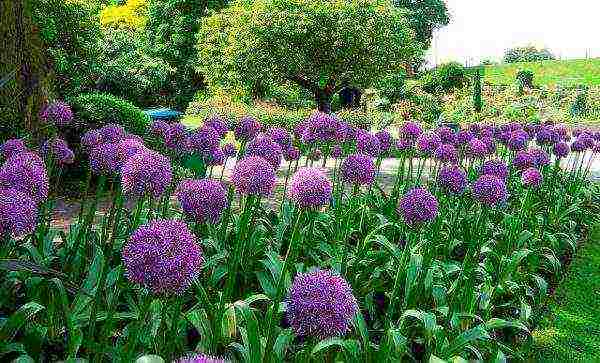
[{"x": 481, "y": 29}]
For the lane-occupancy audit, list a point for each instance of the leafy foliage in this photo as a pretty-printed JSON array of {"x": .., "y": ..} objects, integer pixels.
[
  {"x": 445, "y": 78},
  {"x": 425, "y": 16},
  {"x": 527, "y": 54}
]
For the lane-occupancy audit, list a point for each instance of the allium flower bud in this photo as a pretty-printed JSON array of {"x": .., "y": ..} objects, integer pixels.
[
  {"x": 59, "y": 150},
  {"x": 418, "y": 206},
  {"x": 336, "y": 151},
  {"x": 561, "y": 149},
  {"x": 91, "y": 139},
  {"x": 146, "y": 173},
  {"x": 104, "y": 159},
  {"x": 320, "y": 304},
  {"x": 452, "y": 179},
  {"x": 229, "y": 150},
  {"x": 358, "y": 169},
  {"x": 522, "y": 160},
  {"x": 254, "y": 175},
  {"x": 178, "y": 138},
  {"x": 247, "y": 128},
  {"x": 446, "y": 153},
  {"x": 428, "y": 143},
  {"x": 202, "y": 200},
  {"x": 495, "y": 167},
  {"x": 219, "y": 124},
  {"x": 112, "y": 133},
  {"x": 385, "y": 140},
  {"x": 490, "y": 190},
  {"x": 160, "y": 129},
  {"x": 281, "y": 136},
  {"x": 410, "y": 130},
  {"x": 367, "y": 143},
  {"x": 477, "y": 149},
  {"x": 58, "y": 113},
  {"x": 292, "y": 153},
  {"x": 204, "y": 141},
  {"x": 539, "y": 157},
  {"x": 310, "y": 188}
]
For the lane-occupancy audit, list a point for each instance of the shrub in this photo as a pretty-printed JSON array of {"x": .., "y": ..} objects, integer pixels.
[
  {"x": 392, "y": 87},
  {"x": 580, "y": 105},
  {"x": 445, "y": 78},
  {"x": 527, "y": 54},
  {"x": 525, "y": 78},
  {"x": 97, "y": 109}
]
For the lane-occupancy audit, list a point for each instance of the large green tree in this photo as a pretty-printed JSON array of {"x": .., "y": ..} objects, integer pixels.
[
  {"x": 320, "y": 45},
  {"x": 425, "y": 16}
]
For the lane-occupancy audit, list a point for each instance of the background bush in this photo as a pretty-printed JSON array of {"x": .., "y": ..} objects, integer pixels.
[
  {"x": 527, "y": 54},
  {"x": 525, "y": 78},
  {"x": 445, "y": 78}
]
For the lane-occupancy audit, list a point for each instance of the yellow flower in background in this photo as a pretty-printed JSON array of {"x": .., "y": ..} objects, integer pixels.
[
  {"x": 230, "y": 139},
  {"x": 130, "y": 15}
]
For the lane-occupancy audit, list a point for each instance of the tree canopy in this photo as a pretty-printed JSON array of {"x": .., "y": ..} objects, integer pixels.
[
  {"x": 425, "y": 16},
  {"x": 319, "y": 45}
]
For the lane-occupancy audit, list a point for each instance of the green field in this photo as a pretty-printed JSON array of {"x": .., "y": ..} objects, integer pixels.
[{"x": 565, "y": 72}]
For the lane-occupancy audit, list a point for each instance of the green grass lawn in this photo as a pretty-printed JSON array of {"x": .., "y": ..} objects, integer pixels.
[
  {"x": 571, "y": 332},
  {"x": 566, "y": 72}
]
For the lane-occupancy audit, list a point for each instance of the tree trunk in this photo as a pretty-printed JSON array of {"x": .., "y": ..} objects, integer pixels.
[{"x": 323, "y": 98}]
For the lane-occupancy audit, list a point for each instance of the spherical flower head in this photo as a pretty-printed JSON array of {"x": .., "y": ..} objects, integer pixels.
[
  {"x": 418, "y": 206},
  {"x": 547, "y": 135},
  {"x": 367, "y": 143},
  {"x": 385, "y": 140},
  {"x": 486, "y": 131},
  {"x": 310, "y": 188},
  {"x": 531, "y": 177},
  {"x": 281, "y": 136},
  {"x": 91, "y": 139},
  {"x": 452, "y": 179},
  {"x": 247, "y": 128},
  {"x": 463, "y": 137},
  {"x": 159, "y": 128},
  {"x": 477, "y": 149},
  {"x": 337, "y": 151},
  {"x": 146, "y": 173},
  {"x": 178, "y": 138},
  {"x": 58, "y": 149},
  {"x": 216, "y": 158},
  {"x": 265, "y": 147},
  {"x": 517, "y": 140},
  {"x": 446, "y": 134},
  {"x": 405, "y": 145},
  {"x": 531, "y": 129},
  {"x": 292, "y": 153},
  {"x": 219, "y": 124},
  {"x": 199, "y": 358},
  {"x": 539, "y": 157},
  {"x": 446, "y": 153},
  {"x": 112, "y": 133},
  {"x": 578, "y": 145},
  {"x": 26, "y": 173},
  {"x": 163, "y": 257},
  {"x": 12, "y": 147},
  {"x": 411, "y": 130},
  {"x": 588, "y": 140},
  {"x": 490, "y": 190},
  {"x": 323, "y": 127},
  {"x": 522, "y": 160},
  {"x": 127, "y": 148},
  {"x": 58, "y": 113},
  {"x": 428, "y": 143},
  {"x": 18, "y": 213},
  {"x": 202, "y": 200},
  {"x": 229, "y": 150},
  {"x": 490, "y": 144},
  {"x": 320, "y": 304},
  {"x": 204, "y": 141},
  {"x": 104, "y": 159},
  {"x": 254, "y": 175},
  {"x": 358, "y": 169},
  {"x": 561, "y": 149},
  {"x": 475, "y": 128},
  {"x": 495, "y": 167}
]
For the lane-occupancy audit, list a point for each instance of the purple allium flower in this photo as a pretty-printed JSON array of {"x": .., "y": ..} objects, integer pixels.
[
  {"x": 477, "y": 149},
  {"x": 446, "y": 153},
  {"x": 337, "y": 151},
  {"x": 410, "y": 130},
  {"x": 463, "y": 137},
  {"x": 310, "y": 188},
  {"x": 490, "y": 144},
  {"x": 91, "y": 139},
  {"x": 216, "y": 158},
  {"x": 265, "y": 147},
  {"x": 18, "y": 213},
  {"x": 320, "y": 304},
  {"x": 162, "y": 256},
  {"x": 517, "y": 140},
  {"x": 247, "y": 128},
  {"x": 229, "y": 150},
  {"x": 280, "y": 136},
  {"x": 202, "y": 200},
  {"x": 490, "y": 190},
  {"x": 367, "y": 143},
  {"x": 486, "y": 131},
  {"x": 428, "y": 143},
  {"x": 475, "y": 129},
  {"x": 496, "y": 168},
  {"x": 418, "y": 206},
  {"x": 597, "y": 136},
  {"x": 596, "y": 148},
  {"x": 358, "y": 169},
  {"x": 127, "y": 148},
  {"x": 178, "y": 138},
  {"x": 539, "y": 157},
  {"x": 588, "y": 140},
  {"x": 322, "y": 127},
  {"x": 522, "y": 160},
  {"x": 531, "y": 177},
  {"x": 385, "y": 140},
  {"x": 199, "y": 358},
  {"x": 446, "y": 134},
  {"x": 547, "y": 135},
  {"x": 218, "y": 123},
  {"x": 58, "y": 113},
  {"x": 59, "y": 150},
  {"x": 112, "y": 133},
  {"x": 561, "y": 149},
  {"x": 531, "y": 129},
  {"x": 146, "y": 173},
  {"x": 204, "y": 141},
  {"x": 452, "y": 179},
  {"x": 578, "y": 145},
  {"x": 25, "y": 172},
  {"x": 254, "y": 175},
  {"x": 292, "y": 153},
  {"x": 104, "y": 159},
  {"x": 12, "y": 147},
  {"x": 403, "y": 145},
  {"x": 160, "y": 129}
]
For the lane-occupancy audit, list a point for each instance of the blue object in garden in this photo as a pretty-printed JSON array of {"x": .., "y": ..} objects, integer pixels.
[{"x": 163, "y": 114}]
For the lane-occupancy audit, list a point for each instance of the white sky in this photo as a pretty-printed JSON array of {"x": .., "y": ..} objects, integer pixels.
[{"x": 481, "y": 29}]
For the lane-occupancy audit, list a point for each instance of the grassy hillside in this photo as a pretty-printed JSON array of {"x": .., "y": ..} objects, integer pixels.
[{"x": 564, "y": 72}]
